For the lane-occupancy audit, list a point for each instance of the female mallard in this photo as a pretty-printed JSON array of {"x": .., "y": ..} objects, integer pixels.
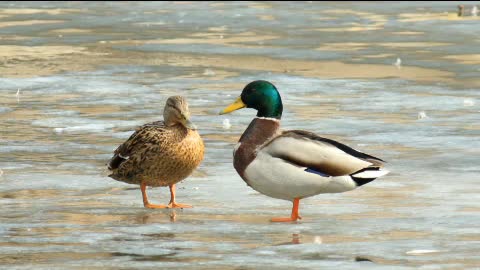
[
  {"x": 293, "y": 164},
  {"x": 161, "y": 153}
]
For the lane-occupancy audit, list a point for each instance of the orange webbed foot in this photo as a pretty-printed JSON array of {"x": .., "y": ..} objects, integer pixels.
[
  {"x": 155, "y": 206},
  {"x": 172, "y": 203},
  {"x": 178, "y": 205}
]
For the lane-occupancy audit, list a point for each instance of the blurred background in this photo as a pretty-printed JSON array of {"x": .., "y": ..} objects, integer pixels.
[{"x": 397, "y": 80}]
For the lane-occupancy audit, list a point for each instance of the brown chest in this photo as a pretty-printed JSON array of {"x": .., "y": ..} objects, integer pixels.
[{"x": 258, "y": 133}]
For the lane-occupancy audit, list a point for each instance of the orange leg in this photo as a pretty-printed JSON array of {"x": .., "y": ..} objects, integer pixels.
[
  {"x": 294, "y": 217},
  {"x": 172, "y": 203},
  {"x": 143, "y": 187}
]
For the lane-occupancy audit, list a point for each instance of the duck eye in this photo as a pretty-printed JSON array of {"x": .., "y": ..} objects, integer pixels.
[{"x": 253, "y": 90}]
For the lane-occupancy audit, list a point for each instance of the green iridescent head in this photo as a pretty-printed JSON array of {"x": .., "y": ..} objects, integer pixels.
[{"x": 260, "y": 95}]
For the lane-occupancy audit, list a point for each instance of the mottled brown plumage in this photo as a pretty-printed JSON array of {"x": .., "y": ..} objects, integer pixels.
[{"x": 161, "y": 153}]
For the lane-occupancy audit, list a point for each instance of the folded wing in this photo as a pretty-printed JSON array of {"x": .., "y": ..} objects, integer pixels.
[
  {"x": 137, "y": 143},
  {"x": 322, "y": 155}
]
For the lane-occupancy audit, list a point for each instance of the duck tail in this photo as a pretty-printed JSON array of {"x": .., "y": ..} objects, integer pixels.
[
  {"x": 115, "y": 162},
  {"x": 367, "y": 175}
]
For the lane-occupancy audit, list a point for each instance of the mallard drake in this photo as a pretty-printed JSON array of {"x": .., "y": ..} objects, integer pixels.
[
  {"x": 293, "y": 164},
  {"x": 161, "y": 153}
]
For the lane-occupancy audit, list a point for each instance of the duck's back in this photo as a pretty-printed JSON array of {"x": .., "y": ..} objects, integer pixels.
[{"x": 157, "y": 155}]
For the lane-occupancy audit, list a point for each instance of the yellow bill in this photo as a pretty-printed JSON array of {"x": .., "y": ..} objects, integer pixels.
[{"x": 236, "y": 105}]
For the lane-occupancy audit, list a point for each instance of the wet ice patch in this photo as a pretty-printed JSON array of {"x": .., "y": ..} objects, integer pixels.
[
  {"x": 61, "y": 112},
  {"x": 468, "y": 102},
  {"x": 391, "y": 101},
  {"x": 122, "y": 135},
  {"x": 209, "y": 72},
  {"x": 59, "y": 181},
  {"x": 344, "y": 125},
  {"x": 421, "y": 251},
  {"x": 83, "y": 128},
  {"x": 14, "y": 165},
  {"x": 62, "y": 124},
  {"x": 30, "y": 148},
  {"x": 100, "y": 83},
  {"x": 5, "y": 110},
  {"x": 82, "y": 125}
]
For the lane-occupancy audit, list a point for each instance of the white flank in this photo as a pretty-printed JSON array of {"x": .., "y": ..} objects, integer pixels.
[
  {"x": 371, "y": 174},
  {"x": 279, "y": 179}
]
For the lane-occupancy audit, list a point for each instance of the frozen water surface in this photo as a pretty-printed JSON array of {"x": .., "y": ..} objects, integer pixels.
[{"x": 88, "y": 73}]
